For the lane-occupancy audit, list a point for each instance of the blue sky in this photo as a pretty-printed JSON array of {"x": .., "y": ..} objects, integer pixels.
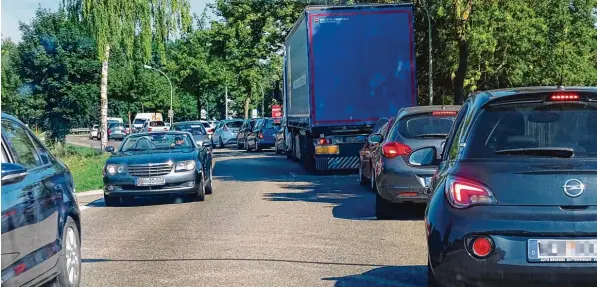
[{"x": 14, "y": 11}]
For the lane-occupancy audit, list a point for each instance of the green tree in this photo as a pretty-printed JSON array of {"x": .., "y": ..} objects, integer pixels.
[{"x": 116, "y": 23}]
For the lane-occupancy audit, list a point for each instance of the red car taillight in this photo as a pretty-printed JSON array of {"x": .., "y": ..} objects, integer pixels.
[
  {"x": 464, "y": 192},
  {"x": 482, "y": 247},
  {"x": 394, "y": 149},
  {"x": 148, "y": 129},
  {"x": 260, "y": 135},
  {"x": 565, "y": 96}
]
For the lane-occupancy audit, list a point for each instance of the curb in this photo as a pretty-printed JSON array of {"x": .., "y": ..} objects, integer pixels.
[{"x": 90, "y": 192}]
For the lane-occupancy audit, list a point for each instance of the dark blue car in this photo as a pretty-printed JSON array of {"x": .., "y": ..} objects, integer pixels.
[
  {"x": 263, "y": 135},
  {"x": 514, "y": 200},
  {"x": 40, "y": 215}
]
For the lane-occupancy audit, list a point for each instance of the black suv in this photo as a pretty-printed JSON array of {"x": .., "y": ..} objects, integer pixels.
[
  {"x": 514, "y": 201},
  {"x": 40, "y": 214}
]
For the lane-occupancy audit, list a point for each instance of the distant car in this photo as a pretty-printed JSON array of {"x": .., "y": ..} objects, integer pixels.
[
  {"x": 154, "y": 126},
  {"x": 263, "y": 135},
  {"x": 93, "y": 132},
  {"x": 127, "y": 129},
  {"x": 225, "y": 132},
  {"x": 382, "y": 126},
  {"x": 393, "y": 179},
  {"x": 195, "y": 128},
  {"x": 208, "y": 127},
  {"x": 41, "y": 241},
  {"x": 158, "y": 164},
  {"x": 116, "y": 131},
  {"x": 280, "y": 146},
  {"x": 514, "y": 201},
  {"x": 245, "y": 129}
]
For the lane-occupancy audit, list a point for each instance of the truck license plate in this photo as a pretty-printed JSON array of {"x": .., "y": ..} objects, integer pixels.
[{"x": 150, "y": 181}]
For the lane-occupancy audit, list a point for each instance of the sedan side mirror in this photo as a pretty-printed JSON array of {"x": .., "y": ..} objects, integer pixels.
[
  {"x": 374, "y": 138},
  {"x": 109, "y": 149},
  {"x": 12, "y": 173},
  {"x": 423, "y": 157}
]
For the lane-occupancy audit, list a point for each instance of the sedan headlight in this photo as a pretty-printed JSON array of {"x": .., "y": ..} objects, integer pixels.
[
  {"x": 186, "y": 165},
  {"x": 113, "y": 169}
]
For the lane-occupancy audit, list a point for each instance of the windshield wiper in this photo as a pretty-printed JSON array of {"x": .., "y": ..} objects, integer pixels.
[
  {"x": 431, "y": 136},
  {"x": 564, "y": 152}
]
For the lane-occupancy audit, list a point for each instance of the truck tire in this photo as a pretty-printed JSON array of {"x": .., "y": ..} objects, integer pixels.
[{"x": 307, "y": 154}]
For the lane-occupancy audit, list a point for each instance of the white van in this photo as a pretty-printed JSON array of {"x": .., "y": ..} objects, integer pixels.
[
  {"x": 117, "y": 120},
  {"x": 141, "y": 118}
]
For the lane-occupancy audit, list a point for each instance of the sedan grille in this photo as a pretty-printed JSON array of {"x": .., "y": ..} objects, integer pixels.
[{"x": 149, "y": 170}]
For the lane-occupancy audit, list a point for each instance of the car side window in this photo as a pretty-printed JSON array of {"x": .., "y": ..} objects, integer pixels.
[
  {"x": 20, "y": 144},
  {"x": 452, "y": 146},
  {"x": 41, "y": 150}
]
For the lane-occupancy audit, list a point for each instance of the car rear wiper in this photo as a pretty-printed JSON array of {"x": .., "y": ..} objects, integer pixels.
[
  {"x": 431, "y": 136},
  {"x": 564, "y": 152}
]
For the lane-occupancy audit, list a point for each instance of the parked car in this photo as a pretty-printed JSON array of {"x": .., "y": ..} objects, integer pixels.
[
  {"x": 158, "y": 164},
  {"x": 127, "y": 129},
  {"x": 154, "y": 126},
  {"x": 41, "y": 240},
  {"x": 263, "y": 135},
  {"x": 513, "y": 201},
  {"x": 381, "y": 127},
  {"x": 116, "y": 131},
  {"x": 393, "y": 179},
  {"x": 195, "y": 128},
  {"x": 141, "y": 118},
  {"x": 243, "y": 132},
  {"x": 225, "y": 132},
  {"x": 93, "y": 132}
]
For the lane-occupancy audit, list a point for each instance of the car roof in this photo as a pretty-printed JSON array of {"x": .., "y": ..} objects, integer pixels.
[
  {"x": 163, "y": 132},
  {"x": 10, "y": 117},
  {"x": 424, "y": 109},
  {"x": 538, "y": 89},
  {"x": 188, "y": 123}
]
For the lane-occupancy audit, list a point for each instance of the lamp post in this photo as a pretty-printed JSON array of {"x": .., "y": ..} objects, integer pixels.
[
  {"x": 262, "y": 101},
  {"x": 425, "y": 5},
  {"x": 171, "y": 112}
]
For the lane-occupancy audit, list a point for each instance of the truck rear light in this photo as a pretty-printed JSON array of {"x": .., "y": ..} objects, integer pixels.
[
  {"x": 562, "y": 97},
  {"x": 464, "y": 193},
  {"x": 394, "y": 149},
  {"x": 444, "y": 113}
]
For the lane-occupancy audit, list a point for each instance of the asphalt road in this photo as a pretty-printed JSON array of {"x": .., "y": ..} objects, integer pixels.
[
  {"x": 83, "y": 140},
  {"x": 268, "y": 223}
]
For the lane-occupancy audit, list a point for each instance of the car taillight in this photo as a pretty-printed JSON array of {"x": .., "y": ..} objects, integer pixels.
[
  {"x": 109, "y": 132},
  {"x": 562, "y": 96},
  {"x": 260, "y": 135},
  {"x": 148, "y": 129},
  {"x": 394, "y": 149},
  {"x": 464, "y": 192},
  {"x": 323, "y": 141},
  {"x": 444, "y": 113}
]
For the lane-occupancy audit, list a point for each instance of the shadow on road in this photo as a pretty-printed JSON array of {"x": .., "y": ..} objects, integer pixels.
[
  {"x": 144, "y": 201},
  {"x": 400, "y": 276}
]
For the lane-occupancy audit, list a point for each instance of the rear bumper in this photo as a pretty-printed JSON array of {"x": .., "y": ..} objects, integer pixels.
[
  {"x": 397, "y": 182},
  {"x": 329, "y": 162}
]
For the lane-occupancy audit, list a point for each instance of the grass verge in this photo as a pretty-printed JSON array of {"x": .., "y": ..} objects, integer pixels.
[{"x": 85, "y": 164}]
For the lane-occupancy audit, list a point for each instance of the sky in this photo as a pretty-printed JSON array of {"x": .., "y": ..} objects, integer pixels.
[{"x": 14, "y": 11}]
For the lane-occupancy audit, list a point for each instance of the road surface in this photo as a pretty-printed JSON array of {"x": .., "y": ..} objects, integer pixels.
[{"x": 268, "y": 223}]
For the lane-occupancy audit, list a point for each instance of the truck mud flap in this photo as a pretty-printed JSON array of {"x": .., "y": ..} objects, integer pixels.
[{"x": 336, "y": 163}]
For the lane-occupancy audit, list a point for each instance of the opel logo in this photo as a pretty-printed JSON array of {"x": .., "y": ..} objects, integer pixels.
[{"x": 573, "y": 187}]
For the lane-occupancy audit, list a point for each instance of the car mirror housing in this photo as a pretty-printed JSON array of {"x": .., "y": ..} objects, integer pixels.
[
  {"x": 109, "y": 149},
  {"x": 12, "y": 173},
  {"x": 206, "y": 144},
  {"x": 423, "y": 157}
]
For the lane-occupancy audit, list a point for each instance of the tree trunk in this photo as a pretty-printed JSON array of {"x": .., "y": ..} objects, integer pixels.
[
  {"x": 247, "y": 103},
  {"x": 461, "y": 72},
  {"x": 104, "y": 99}
]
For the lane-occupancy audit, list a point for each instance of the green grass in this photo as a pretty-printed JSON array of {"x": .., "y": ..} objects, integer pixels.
[{"x": 85, "y": 165}]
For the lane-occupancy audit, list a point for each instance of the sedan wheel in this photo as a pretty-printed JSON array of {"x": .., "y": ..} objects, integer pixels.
[
  {"x": 238, "y": 145},
  {"x": 200, "y": 196},
  {"x": 362, "y": 179},
  {"x": 70, "y": 260},
  {"x": 221, "y": 143},
  {"x": 209, "y": 186}
]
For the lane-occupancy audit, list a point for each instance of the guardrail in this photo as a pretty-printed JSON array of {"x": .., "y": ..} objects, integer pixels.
[{"x": 79, "y": 130}]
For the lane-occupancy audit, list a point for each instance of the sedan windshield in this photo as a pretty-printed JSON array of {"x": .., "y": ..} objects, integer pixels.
[
  {"x": 539, "y": 130},
  {"x": 145, "y": 142}
]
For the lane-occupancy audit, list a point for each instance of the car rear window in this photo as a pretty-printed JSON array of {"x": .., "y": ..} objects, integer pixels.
[
  {"x": 194, "y": 129},
  {"x": 422, "y": 126},
  {"x": 534, "y": 126},
  {"x": 157, "y": 124},
  {"x": 270, "y": 124},
  {"x": 139, "y": 121},
  {"x": 236, "y": 124},
  {"x": 205, "y": 124}
]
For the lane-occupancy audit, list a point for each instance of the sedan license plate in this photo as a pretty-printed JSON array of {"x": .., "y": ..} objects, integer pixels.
[
  {"x": 562, "y": 250},
  {"x": 149, "y": 181},
  {"x": 427, "y": 180}
]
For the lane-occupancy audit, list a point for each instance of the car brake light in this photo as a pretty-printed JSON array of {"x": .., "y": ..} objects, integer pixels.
[
  {"x": 323, "y": 141},
  {"x": 482, "y": 247},
  {"x": 260, "y": 135},
  {"x": 109, "y": 132},
  {"x": 560, "y": 97},
  {"x": 394, "y": 149},
  {"x": 463, "y": 193},
  {"x": 149, "y": 129},
  {"x": 444, "y": 113}
]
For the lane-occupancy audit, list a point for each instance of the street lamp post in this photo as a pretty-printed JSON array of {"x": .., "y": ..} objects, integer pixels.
[
  {"x": 171, "y": 116},
  {"x": 425, "y": 5},
  {"x": 262, "y": 101}
]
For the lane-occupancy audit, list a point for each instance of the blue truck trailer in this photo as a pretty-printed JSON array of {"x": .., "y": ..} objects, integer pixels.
[{"x": 344, "y": 68}]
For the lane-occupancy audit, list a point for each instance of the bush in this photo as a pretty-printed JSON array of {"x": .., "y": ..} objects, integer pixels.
[{"x": 84, "y": 163}]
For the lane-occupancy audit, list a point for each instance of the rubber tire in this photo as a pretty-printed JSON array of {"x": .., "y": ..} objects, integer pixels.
[
  {"x": 383, "y": 208},
  {"x": 221, "y": 143},
  {"x": 200, "y": 195},
  {"x": 209, "y": 187},
  {"x": 247, "y": 146},
  {"x": 111, "y": 200},
  {"x": 62, "y": 279},
  {"x": 238, "y": 146},
  {"x": 431, "y": 282}
]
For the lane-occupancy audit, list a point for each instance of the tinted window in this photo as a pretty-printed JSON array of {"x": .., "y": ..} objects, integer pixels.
[
  {"x": 139, "y": 121},
  {"x": 41, "y": 150},
  {"x": 236, "y": 124},
  {"x": 156, "y": 142},
  {"x": 534, "y": 126},
  {"x": 157, "y": 124},
  {"x": 21, "y": 145},
  {"x": 269, "y": 124},
  {"x": 112, "y": 125},
  {"x": 420, "y": 126},
  {"x": 195, "y": 129},
  {"x": 378, "y": 125},
  {"x": 206, "y": 125}
]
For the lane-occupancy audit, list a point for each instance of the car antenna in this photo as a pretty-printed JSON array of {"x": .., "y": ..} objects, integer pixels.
[{"x": 561, "y": 81}]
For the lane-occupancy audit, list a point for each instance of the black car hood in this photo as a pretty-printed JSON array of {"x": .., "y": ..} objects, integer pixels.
[{"x": 154, "y": 156}]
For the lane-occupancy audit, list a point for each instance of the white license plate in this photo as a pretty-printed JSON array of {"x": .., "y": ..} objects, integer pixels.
[
  {"x": 150, "y": 181},
  {"x": 427, "y": 180},
  {"x": 562, "y": 250}
]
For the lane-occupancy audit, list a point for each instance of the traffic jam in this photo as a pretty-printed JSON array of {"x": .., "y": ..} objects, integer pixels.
[{"x": 508, "y": 179}]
